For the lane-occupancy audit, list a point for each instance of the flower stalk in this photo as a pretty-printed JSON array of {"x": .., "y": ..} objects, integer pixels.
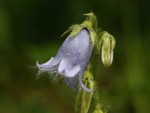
[{"x": 97, "y": 107}]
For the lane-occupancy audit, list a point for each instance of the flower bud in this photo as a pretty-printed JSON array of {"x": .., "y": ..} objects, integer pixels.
[
  {"x": 108, "y": 44},
  {"x": 84, "y": 97}
]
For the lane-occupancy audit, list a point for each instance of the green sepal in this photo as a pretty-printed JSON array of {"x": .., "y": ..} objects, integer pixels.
[
  {"x": 91, "y": 25},
  {"x": 74, "y": 29},
  {"x": 93, "y": 36},
  {"x": 67, "y": 31},
  {"x": 88, "y": 25},
  {"x": 92, "y": 18}
]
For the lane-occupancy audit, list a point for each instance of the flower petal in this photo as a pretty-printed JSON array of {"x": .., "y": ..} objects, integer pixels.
[
  {"x": 47, "y": 63},
  {"x": 72, "y": 72},
  {"x": 63, "y": 64},
  {"x": 48, "y": 66}
]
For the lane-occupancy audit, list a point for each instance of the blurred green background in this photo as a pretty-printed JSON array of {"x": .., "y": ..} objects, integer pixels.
[{"x": 30, "y": 30}]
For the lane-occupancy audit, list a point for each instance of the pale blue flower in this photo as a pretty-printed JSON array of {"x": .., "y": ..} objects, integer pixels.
[{"x": 72, "y": 58}]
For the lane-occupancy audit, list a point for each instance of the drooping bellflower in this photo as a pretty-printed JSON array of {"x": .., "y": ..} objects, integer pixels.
[{"x": 72, "y": 57}]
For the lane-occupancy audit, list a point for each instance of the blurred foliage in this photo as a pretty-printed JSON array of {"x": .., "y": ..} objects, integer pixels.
[{"x": 30, "y": 30}]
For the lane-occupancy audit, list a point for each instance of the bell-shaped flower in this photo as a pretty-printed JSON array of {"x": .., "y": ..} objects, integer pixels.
[{"x": 72, "y": 58}]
